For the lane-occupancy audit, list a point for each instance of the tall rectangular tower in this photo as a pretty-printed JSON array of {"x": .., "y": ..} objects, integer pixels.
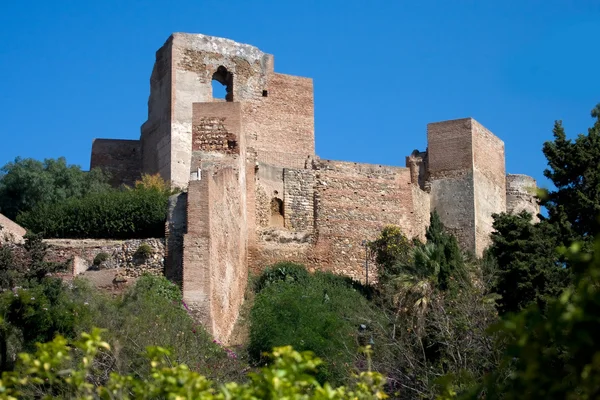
[
  {"x": 277, "y": 109},
  {"x": 467, "y": 175}
]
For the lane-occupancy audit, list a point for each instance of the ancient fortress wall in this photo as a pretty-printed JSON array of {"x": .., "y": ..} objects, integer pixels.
[
  {"x": 355, "y": 201},
  {"x": 450, "y": 156},
  {"x": 120, "y": 158},
  {"x": 255, "y": 193},
  {"x": 215, "y": 251},
  {"x": 155, "y": 132},
  {"x": 489, "y": 176},
  {"x": 279, "y": 125},
  {"x": 520, "y": 195}
]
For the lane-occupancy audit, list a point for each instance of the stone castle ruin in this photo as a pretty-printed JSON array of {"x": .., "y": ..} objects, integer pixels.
[{"x": 254, "y": 192}]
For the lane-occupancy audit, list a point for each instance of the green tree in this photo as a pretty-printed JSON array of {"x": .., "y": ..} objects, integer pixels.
[
  {"x": 573, "y": 207},
  {"x": 530, "y": 270},
  {"x": 319, "y": 312},
  {"x": 447, "y": 253},
  {"x": 26, "y": 183}
]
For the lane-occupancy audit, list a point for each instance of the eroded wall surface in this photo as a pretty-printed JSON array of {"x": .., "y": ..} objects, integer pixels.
[
  {"x": 450, "y": 159},
  {"x": 215, "y": 246},
  {"x": 215, "y": 250},
  {"x": 521, "y": 195},
  {"x": 120, "y": 158},
  {"x": 155, "y": 137},
  {"x": 354, "y": 203},
  {"x": 489, "y": 176}
]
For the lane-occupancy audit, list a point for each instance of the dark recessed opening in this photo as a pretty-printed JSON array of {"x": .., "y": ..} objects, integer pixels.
[
  {"x": 225, "y": 78},
  {"x": 265, "y": 93}
]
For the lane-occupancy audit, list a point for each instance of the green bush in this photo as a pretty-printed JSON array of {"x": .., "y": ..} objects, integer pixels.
[
  {"x": 114, "y": 214},
  {"x": 100, "y": 258},
  {"x": 319, "y": 312},
  {"x": 144, "y": 251},
  {"x": 282, "y": 271}
]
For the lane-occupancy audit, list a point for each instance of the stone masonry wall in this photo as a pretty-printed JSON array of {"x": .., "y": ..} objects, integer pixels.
[
  {"x": 215, "y": 250},
  {"x": 489, "y": 183},
  {"x": 521, "y": 195},
  {"x": 155, "y": 137},
  {"x": 298, "y": 201},
  {"x": 354, "y": 203},
  {"x": 121, "y": 255},
  {"x": 175, "y": 229},
  {"x": 450, "y": 162},
  {"x": 122, "y": 159}
]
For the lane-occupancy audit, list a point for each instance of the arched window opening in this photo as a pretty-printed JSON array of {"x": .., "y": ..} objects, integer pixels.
[
  {"x": 222, "y": 84},
  {"x": 277, "y": 218}
]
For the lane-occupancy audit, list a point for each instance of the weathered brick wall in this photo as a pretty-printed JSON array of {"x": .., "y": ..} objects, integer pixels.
[
  {"x": 210, "y": 134},
  {"x": 280, "y": 126},
  {"x": 354, "y": 203},
  {"x": 299, "y": 199},
  {"x": 450, "y": 160},
  {"x": 521, "y": 195},
  {"x": 467, "y": 179},
  {"x": 489, "y": 182},
  {"x": 215, "y": 249},
  {"x": 122, "y": 159},
  {"x": 155, "y": 132},
  {"x": 10, "y": 232},
  {"x": 269, "y": 186}
]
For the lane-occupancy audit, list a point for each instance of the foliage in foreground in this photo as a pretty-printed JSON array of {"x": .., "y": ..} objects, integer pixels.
[{"x": 59, "y": 369}]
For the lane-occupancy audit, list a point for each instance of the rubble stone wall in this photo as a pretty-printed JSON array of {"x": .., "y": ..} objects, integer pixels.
[
  {"x": 521, "y": 195},
  {"x": 121, "y": 255}
]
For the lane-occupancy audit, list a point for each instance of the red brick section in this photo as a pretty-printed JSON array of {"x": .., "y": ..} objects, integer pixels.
[
  {"x": 355, "y": 202},
  {"x": 215, "y": 250},
  {"x": 450, "y": 159},
  {"x": 280, "y": 127},
  {"x": 196, "y": 256},
  {"x": 122, "y": 159},
  {"x": 489, "y": 183}
]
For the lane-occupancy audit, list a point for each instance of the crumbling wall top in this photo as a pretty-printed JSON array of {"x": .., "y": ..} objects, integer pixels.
[{"x": 213, "y": 44}]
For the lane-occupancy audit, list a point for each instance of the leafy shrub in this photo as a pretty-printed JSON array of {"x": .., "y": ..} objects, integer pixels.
[
  {"x": 144, "y": 251},
  {"x": 282, "y": 271},
  {"x": 100, "y": 258},
  {"x": 319, "y": 312},
  {"x": 115, "y": 214},
  {"x": 27, "y": 183},
  {"x": 54, "y": 371}
]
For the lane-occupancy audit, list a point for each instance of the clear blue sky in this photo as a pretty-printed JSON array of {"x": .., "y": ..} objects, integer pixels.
[{"x": 73, "y": 71}]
